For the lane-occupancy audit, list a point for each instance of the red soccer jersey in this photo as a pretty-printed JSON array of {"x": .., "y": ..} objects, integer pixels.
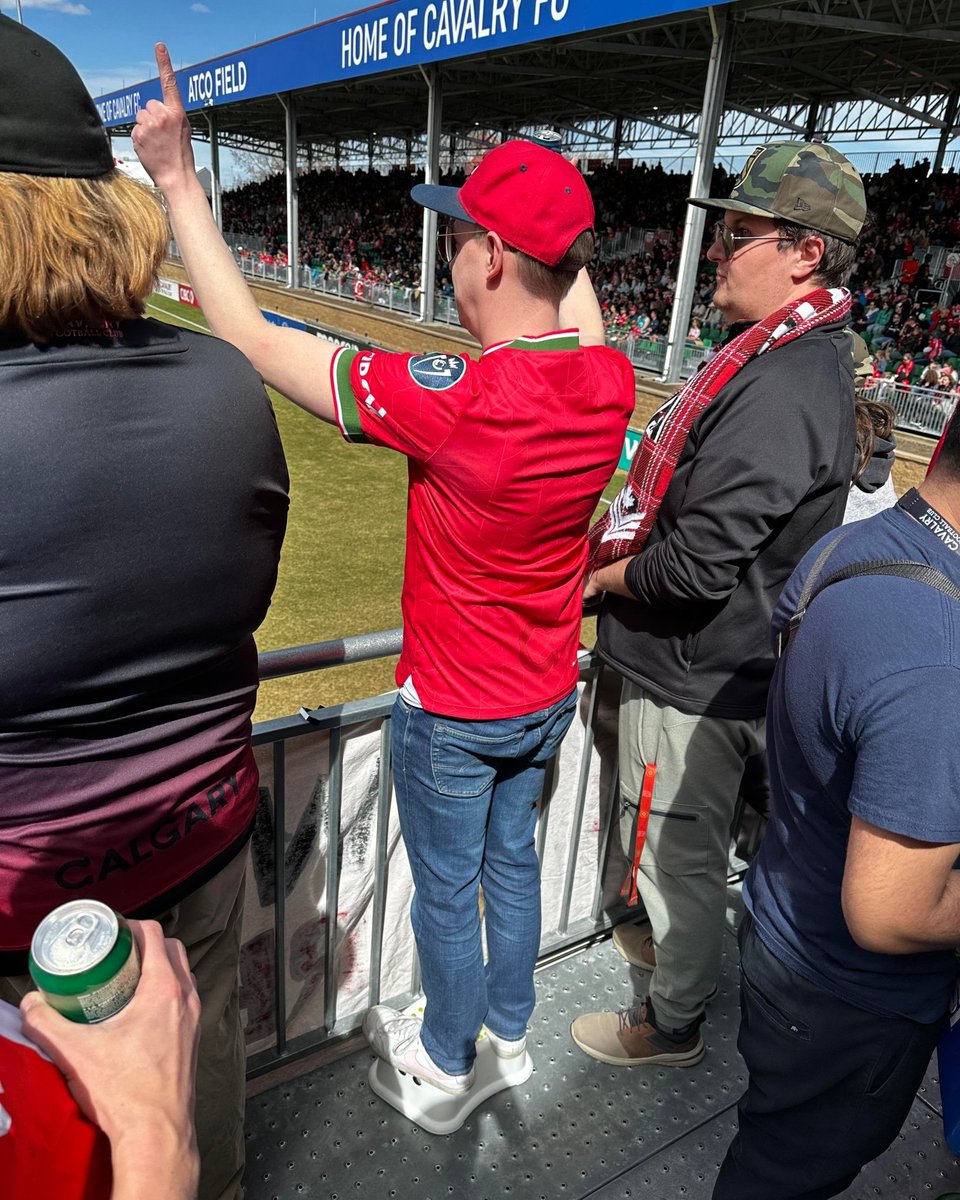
[
  {"x": 508, "y": 457},
  {"x": 48, "y": 1150}
]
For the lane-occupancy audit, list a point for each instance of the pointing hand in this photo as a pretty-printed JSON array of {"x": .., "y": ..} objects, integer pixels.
[{"x": 161, "y": 136}]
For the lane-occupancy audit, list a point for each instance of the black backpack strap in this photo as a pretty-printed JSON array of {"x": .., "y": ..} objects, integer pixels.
[
  {"x": 806, "y": 593},
  {"x": 921, "y": 572}
]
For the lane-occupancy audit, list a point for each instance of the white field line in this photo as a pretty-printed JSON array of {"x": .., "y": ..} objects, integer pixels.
[{"x": 177, "y": 317}]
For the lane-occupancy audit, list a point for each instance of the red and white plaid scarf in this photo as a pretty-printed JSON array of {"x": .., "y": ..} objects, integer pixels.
[{"x": 625, "y": 527}]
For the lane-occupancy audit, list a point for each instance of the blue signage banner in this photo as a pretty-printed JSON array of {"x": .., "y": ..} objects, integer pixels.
[{"x": 384, "y": 38}]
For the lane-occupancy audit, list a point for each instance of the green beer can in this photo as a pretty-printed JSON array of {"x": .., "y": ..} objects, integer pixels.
[{"x": 84, "y": 960}]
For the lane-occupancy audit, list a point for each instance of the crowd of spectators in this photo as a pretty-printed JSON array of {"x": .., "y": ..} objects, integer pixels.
[
  {"x": 356, "y": 225},
  {"x": 359, "y": 228}
]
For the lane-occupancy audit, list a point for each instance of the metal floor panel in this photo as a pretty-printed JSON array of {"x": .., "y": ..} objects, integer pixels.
[
  {"x": 916, "y": 1167},
  {"x": 578, "y": 1128}
]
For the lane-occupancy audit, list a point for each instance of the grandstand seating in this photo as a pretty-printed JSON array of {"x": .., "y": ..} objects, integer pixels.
[{"x": 359, "y": 230}]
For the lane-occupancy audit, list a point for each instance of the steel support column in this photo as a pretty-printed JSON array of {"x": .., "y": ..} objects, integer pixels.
[
  {"x": 949, "y": 129},
  {"x": 713, "y": 97},
  {"x": 290, "y": 170},
  {"x": 813, "y": 120},
  {"x": 431, "y": 175},
  {"x": 216, "y": 195},
  {"x": 617, "y": 140}
]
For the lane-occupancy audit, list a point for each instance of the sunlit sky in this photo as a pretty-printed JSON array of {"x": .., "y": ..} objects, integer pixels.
[{"x": 111, "y": 43}]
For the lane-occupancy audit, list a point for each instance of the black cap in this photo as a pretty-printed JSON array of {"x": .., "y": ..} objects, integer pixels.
[{"x": 49, "y": 125}]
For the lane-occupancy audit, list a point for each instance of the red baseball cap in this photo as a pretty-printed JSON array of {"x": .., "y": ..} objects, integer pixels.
[{"x": 534, "y": 198}]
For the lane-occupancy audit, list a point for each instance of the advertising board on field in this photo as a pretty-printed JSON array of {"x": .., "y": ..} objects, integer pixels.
[
  {"x": 169, "y": 288},
  {"x": 182, "y": 293}
]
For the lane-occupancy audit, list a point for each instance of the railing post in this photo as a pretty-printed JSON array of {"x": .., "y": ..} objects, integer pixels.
[
  {"x": 332, "y": 881},
  {"x": 280, "y": 895},
  {"x": 431, "y": 175}
]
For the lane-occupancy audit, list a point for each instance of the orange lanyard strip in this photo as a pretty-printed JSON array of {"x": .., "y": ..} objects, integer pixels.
[{"x": 643, "y": 820}]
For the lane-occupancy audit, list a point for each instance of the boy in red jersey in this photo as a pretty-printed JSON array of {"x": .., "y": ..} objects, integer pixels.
[{"x": 508, "y": 456}]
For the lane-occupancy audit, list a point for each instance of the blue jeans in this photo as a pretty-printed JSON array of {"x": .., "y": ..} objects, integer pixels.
[{"x": 467, "y": 795}]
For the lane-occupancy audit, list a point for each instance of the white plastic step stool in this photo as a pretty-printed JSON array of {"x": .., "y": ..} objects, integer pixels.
[{"x": 434, "y": 1110}]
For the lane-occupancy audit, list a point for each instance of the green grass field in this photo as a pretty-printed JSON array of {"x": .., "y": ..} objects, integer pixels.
[{"x": 342, "y": 562}]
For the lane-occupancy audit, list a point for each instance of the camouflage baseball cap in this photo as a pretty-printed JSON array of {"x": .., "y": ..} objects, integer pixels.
[{"x": 808, "y": 183}]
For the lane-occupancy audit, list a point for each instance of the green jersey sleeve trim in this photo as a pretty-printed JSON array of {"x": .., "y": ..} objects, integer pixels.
[{"x": 345, "y": 402}]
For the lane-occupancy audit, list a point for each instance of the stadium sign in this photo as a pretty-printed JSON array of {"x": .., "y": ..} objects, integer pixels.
[
  {"x": 386, "y": 37},
  {"x": 168, "y": 288},
  {"x": 631, "y": 444}
]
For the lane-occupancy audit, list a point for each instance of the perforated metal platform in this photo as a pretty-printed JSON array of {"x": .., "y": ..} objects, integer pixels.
[{"x": 576, "y": 1129}]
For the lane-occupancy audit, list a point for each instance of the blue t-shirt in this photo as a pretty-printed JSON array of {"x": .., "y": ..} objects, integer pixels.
[{"x": 861, "y": 719}]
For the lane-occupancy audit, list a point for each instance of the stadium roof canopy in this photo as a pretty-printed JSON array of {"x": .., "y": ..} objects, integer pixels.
[{"x": 610, "y": 72}]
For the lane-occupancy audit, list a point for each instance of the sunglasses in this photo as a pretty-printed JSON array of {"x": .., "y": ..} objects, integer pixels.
[
  {"x": 731, "y": 241},
  {"x": 447, "y": 244}
]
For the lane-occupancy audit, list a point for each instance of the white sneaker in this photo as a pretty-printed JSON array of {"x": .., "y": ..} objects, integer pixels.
[
  {"x": 505, "y": 1048},
  {"x": 396, "y": 1039}
]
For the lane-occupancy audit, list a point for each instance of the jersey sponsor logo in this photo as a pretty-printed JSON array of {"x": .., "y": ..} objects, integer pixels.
[
  {"x": 437, "y": 371},
  {"x": 364, "y": 363}
]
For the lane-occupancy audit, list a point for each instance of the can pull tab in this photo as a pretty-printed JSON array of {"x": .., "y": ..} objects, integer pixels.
[{"x": 81, "y": 931}]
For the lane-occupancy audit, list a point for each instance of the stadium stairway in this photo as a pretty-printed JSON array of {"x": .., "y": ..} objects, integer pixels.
[{"x": 577, "y": 1129}]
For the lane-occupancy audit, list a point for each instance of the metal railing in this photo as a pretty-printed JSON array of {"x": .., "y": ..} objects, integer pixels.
[
  {"x": 627, "y": 242},
  {"x": 646, "y": 354},
  {"x": 918, "y": 409},
  {"x": 394, "y": 297},
  {"x": 649, "y": 354},
  {"x": 346, "y": 284},
  {"x": 298, "y": 993}
]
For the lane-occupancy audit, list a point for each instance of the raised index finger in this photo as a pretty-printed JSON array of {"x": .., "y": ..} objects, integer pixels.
[{"x": 168, "y": 78}]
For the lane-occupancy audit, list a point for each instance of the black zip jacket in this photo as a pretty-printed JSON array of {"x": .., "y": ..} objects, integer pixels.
[{"x": 765, "y": 473}]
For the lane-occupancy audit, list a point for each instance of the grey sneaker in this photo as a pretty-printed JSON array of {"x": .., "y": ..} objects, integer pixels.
[{"x": 396, "y": 1039}]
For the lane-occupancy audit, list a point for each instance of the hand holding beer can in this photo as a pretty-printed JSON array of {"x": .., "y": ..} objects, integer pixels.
[{"x": 84, "y": 960}]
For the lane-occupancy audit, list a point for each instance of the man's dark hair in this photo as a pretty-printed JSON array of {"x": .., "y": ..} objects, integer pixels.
[
  {"x": 835, "y": 266},
  {"x": 839, "y": 256}
]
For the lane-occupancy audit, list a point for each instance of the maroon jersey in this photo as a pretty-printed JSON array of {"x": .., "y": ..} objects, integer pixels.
[{"x": 144, "y": 495}]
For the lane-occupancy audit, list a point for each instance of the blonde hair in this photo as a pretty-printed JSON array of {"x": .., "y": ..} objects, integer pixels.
[
  {"x": 553, "y": 283},
  {"x": 76, "y": 250}
]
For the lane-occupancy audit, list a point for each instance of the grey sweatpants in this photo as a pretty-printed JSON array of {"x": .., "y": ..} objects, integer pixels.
[{"x": 683, "y": 867}]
